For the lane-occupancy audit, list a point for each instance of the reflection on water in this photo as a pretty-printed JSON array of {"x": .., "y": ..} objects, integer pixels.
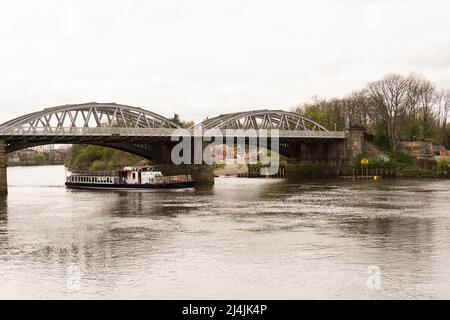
[{"x": 242, "y": 238}]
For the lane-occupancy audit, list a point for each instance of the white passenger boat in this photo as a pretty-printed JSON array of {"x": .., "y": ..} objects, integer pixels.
[{"x": 130, "y": 178}]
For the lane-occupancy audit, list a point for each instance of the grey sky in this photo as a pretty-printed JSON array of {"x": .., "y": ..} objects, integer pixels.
[{"x": 200, "y": 58}]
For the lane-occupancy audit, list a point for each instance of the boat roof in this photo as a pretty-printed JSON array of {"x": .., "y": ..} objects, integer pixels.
[{"x": 136, "y": 168}]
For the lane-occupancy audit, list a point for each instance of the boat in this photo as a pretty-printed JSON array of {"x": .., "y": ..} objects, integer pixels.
[{"x": 129, "y": 178}]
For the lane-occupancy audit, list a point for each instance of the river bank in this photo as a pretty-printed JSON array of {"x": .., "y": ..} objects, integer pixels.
[
  {"x": 328, "y": 171},
  {"x": 34, "y": 164}
]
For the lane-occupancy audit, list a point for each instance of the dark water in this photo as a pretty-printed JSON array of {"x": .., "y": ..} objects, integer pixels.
[{"x": 242, "y": 238}]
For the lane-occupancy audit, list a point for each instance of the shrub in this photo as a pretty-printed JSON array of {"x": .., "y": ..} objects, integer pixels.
[
  {"x": 443, "y": 163},
  {"x": 98, "y": 165}
]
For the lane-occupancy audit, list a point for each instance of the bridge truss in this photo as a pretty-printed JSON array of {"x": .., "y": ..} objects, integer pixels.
[
  {"x": 88, "y": 115},
  {"x": 262, "y": 119}
]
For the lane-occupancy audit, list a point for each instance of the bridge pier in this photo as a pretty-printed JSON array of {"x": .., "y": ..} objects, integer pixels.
[
  {"x": 201, "y": 173},
  {"x": 3, "y": 179},
  {"x": 355, "y": 143}
]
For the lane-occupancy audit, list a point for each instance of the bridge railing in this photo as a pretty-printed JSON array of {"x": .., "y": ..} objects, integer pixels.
[
  {"x": 84, "y": 131},
  {"x": 155, "y": 132}
]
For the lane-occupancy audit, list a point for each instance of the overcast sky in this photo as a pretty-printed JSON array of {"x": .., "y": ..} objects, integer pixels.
[{"x": 202, "y": 58}]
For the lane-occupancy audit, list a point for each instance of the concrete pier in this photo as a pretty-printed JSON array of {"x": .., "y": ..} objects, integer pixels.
[{"x": 3, "y": 179}]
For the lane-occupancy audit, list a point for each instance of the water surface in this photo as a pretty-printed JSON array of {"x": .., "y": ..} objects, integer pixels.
[{"x": 241, "y": 239}]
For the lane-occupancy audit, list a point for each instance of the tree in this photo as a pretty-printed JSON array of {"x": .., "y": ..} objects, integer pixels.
[
  {"x": 443, "y": 109},
  {"x": 39, "y": 159},
  {"x": 90, "y": 157},
  {"x": 178, "y": 121},
  {"x": 388, "y": 98},
  {"x": 394, "y": 108}
]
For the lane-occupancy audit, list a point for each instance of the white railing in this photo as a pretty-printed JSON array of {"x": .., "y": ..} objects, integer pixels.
[{"x": 158, "y": 132}]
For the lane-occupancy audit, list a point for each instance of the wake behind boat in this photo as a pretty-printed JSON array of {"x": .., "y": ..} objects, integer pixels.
[{"x": 130, "y": 178}]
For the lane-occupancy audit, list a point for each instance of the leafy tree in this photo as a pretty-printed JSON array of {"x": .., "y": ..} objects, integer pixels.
[{"x": 39, "y": 159}]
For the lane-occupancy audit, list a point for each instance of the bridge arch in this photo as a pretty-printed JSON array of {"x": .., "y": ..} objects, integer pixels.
[
  {"x": 262, "y": 119},
  {"x": 88, "y": 123},
  {"x": 89, "y": 115}
]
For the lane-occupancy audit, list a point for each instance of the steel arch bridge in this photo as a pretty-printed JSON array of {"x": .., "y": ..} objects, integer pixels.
[{"x": 140, "y": 131}]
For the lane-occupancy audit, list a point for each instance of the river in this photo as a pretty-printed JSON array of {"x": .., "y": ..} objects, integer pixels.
[{"x": 240, "y": 239}]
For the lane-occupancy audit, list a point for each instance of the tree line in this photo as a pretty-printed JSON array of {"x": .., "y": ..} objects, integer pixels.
[{"x": 395, "y": 108}]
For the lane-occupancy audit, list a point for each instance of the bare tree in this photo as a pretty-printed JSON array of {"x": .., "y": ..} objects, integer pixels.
[
  {"x": 443, "y": 112},
  {"x": 389, "y": 98},
  {"x": 425, "y": 106}
]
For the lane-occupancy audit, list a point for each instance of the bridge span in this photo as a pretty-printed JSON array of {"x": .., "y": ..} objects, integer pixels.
[{"x": 148, "y": 134}]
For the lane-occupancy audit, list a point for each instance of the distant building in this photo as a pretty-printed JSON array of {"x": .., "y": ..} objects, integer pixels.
[
  {"x": 58, "y": 155},
  {"x": 417, "y": 149},
  {"x": 28, "y": 156},
  {"x": 13, "y": 157}
]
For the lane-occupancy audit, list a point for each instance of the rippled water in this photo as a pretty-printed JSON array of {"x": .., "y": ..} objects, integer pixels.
[{"x": 242, "y": 238}]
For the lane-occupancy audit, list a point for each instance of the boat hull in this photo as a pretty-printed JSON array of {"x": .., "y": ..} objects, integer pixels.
[{"x": 140, "y": 187}]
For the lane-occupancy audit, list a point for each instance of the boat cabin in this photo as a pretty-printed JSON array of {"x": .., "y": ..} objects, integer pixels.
[{"x": 138, "y": 175}]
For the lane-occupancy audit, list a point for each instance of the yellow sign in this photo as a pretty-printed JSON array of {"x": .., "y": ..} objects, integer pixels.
[{"x": 364, "y": 161}]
